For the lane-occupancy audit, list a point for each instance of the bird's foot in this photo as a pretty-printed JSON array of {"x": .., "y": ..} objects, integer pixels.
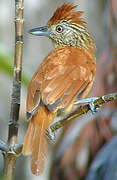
[
  {"x": 50, "y": 134},
  {"x": 90, "y": 101},
  {"x": 93, "y": 108}
]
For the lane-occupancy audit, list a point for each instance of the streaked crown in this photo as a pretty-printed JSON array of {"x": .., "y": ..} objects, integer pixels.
[
  {"x": 67, "y": 28},
  {"x": 66, "y": 12}
]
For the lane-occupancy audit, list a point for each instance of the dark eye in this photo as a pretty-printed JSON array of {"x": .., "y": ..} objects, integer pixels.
[{"x": 59, "y": 28}]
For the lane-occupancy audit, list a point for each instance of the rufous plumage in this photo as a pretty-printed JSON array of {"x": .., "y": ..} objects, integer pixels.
[{"x": 64, "y": 76}]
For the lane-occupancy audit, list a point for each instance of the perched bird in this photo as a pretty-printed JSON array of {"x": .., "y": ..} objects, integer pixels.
[{"x": 64, "y": 76}]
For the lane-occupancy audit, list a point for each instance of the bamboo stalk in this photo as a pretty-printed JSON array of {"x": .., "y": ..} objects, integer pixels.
[{"x": 10, "y": 156}]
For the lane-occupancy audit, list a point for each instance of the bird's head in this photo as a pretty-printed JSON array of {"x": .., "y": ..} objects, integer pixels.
[{"x": 66, "y": 28}]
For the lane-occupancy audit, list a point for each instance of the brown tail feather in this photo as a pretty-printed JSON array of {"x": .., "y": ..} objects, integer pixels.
[
  {"x": 27, "y": 147},
  {"x": 35, "y": 141}
]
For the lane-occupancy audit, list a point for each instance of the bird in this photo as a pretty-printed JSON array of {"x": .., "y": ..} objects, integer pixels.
[{"x": 65, "y": 75}]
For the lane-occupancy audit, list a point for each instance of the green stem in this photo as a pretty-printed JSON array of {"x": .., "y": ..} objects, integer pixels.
[{"x": 82, "y": 110}]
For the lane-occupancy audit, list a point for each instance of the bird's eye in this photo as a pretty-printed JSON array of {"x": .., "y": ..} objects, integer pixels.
[{"x": 59, "y": 28}]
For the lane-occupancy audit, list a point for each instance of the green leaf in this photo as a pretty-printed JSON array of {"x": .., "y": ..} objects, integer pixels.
[{"x": 7, "y": 67}]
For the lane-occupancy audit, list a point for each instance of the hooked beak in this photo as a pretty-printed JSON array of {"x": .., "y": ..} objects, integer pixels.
[{"x": 40, "y": 31}]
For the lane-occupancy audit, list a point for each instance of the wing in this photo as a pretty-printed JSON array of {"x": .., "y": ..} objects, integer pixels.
[{"x": 61, "y": 77}]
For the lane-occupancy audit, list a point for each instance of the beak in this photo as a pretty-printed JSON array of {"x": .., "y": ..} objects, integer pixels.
[{"x": 40, "y": 31}]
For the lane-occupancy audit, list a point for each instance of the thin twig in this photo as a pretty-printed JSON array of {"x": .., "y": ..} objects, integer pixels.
[
  {"x": 10, "y": 157},
  {"x": 16, "y": 149},
  {"x": 82, "y": 110},
  {"x": 3, "y": 146}
]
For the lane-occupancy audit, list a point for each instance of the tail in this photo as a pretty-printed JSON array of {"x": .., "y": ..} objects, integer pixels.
[{"x": 35, "y": 142}]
